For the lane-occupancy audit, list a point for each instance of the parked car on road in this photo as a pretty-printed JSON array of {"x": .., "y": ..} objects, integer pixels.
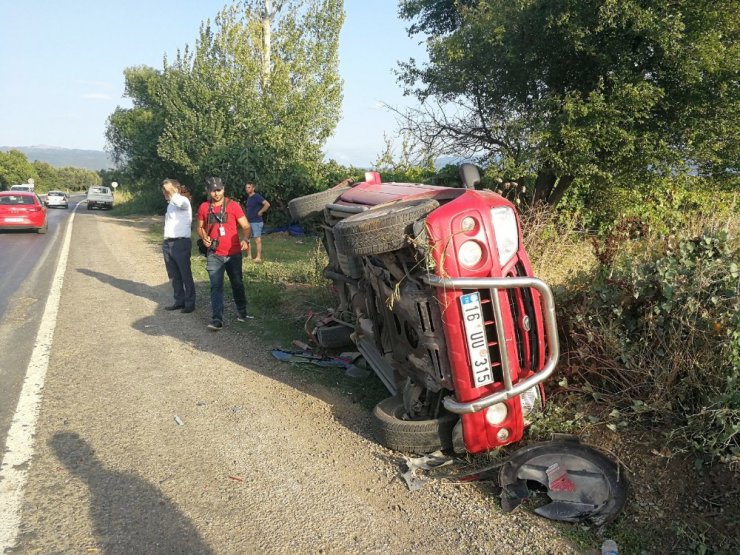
[
  {"x": 99, "y": 197},
  {"x": 22, "y": 210},
  {"x": 57, "y": 198}
]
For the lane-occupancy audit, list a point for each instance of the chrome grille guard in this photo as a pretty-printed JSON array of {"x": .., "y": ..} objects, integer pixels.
[{"x": 494, "y": 284}]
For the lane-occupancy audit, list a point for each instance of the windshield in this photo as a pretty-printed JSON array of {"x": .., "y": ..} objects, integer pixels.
[{"x": 16, "y": 199}]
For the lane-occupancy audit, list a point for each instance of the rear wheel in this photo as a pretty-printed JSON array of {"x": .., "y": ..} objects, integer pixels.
[
  {"x": 411, "y": 436},
  {"x": 304, "y": 207},
  {"x": 44, "y": 229},
  {"x": 380, "y": 229}
]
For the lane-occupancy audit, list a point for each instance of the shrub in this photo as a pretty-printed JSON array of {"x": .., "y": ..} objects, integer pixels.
[{"x": 657, "y": 330}]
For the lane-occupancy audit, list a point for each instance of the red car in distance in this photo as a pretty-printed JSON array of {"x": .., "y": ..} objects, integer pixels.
[{"x": 22, "y": 210}]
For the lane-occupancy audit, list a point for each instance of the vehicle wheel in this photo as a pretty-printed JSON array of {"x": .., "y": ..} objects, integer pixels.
[
  {"x": 411, "y": 436},
  {"x": 380, "y": 229},
  {"x": 304, "y": 207},
  {"x": 89, "y": 207},
  {"x": 332, "y": 337},
  {"x": 44, "y": 229},
  {"x": 350, "y": 265}
]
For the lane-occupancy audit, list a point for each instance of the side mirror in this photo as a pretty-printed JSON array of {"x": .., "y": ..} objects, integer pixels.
[{"x": 469, "y": 175}]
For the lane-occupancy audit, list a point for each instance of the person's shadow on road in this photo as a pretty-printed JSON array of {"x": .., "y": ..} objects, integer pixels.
[
  {"x": 156, "y": 294},
  {"x": 129, "y": 515}
]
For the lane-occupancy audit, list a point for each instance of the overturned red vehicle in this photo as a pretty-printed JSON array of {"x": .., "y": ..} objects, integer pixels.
[{"x": 436, "y": 290}]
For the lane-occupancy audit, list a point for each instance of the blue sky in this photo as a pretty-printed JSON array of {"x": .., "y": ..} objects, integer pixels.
[{"x": 62, "y": 62}]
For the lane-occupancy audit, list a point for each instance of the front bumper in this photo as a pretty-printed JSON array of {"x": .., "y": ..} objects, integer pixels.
[{"x": 509, "y": 388}]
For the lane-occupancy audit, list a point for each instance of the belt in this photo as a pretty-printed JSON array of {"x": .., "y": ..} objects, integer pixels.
[{"x": 175, "y": 238}]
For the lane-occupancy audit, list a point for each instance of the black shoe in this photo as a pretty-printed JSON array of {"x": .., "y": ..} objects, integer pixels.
[
  {"x": 188, "y": 309},
  {"x": 215, "y": 326},
  {"x": 175, "y": 307}
]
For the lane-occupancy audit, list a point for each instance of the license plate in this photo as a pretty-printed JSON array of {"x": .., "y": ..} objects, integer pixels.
[
  {"x": 14, "y": 220},
  {"x": 475, "y": 335}
]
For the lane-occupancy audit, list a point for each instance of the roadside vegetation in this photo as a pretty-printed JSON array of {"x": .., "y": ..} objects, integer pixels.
[{"x": 15, "y": 169}]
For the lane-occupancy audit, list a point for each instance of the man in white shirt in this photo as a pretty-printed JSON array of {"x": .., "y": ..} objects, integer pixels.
[{"x": 177, "y": 244}]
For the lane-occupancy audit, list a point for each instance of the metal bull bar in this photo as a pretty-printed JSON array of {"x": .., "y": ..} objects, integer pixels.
[{"x": 494, "y": 284}]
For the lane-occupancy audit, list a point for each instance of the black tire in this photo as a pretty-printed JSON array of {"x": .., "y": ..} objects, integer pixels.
[
  {"x": 411, "y": 436},
  {"x": 304, "y": 207},
  {"x": 333, "y": 337},
  {"x": 350, "y": 265},
  {"x": 89, "y": 207},
  {"x": 44, "y": 229},
  {"x": 382, "y": 228}
]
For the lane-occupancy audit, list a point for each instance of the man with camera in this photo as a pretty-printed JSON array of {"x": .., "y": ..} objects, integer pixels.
[{"x": 219, "y": 220}]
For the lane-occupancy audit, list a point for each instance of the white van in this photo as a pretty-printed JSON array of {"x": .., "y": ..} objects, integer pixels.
[{"x": 27, "y": 187}]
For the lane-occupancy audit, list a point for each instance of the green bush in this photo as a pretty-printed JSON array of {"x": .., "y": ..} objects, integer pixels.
[{"x": 657, "y": 331}]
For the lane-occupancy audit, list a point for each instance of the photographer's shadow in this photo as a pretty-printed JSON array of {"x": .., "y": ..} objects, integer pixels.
[{"x": 129, "y": 515}]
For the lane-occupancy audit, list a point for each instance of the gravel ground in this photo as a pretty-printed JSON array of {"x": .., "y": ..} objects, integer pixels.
[{"x": 259, "y": 463}]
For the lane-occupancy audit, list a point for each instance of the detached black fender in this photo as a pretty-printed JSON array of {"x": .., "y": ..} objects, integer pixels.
[{"x": 582, "y": 483}]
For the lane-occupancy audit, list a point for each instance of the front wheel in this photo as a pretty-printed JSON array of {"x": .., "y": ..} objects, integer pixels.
[{"x": 411, "y": 436}]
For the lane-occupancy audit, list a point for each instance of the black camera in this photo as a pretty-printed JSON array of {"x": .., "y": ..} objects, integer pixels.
[{"x": 213, "y": 246}]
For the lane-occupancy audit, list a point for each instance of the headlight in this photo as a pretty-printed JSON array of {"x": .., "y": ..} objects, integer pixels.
[
  {"x": 531, "y": 401},
  {"x": 497, "y": 414},
  {"x": 507, "y": 233},
  {"x": 470, "y": 253}
]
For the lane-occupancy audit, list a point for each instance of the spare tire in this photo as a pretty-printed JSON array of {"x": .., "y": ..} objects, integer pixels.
[
  {"x": 380, "y": 229},
  {"x": 411, "y": 436},
  {"x": 304, "y": 207}
]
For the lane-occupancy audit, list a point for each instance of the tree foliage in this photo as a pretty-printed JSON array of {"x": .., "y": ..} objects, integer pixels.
[
  {"x": 254, "y": 99},
  {"x": 559, "y": 90},
  {"x": 16, "y": 169}
]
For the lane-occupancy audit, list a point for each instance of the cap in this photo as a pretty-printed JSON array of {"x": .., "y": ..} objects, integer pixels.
[{"x": 214, "y": 184}]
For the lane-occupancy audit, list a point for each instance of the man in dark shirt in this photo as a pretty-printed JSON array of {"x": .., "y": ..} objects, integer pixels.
[{"x": 255, "y": 206}]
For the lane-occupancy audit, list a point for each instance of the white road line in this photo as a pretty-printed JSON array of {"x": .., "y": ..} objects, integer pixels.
[{"x": 19, "y": 446}]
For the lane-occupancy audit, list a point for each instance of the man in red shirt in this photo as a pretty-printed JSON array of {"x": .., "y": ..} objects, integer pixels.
[{"x": 219, "y": 220}]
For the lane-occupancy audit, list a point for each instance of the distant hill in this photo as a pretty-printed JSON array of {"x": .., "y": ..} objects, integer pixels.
[{"x": 65, "y": 157}]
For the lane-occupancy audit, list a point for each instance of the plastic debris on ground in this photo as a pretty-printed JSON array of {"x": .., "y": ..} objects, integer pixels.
[
  {"x": 427, "y": 462},
  {"x": 309, "y": 357}
]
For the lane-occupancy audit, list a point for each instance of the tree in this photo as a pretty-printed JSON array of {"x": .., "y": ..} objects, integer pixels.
[
  {"x": 15, "y": 169},
  {"x": 557, "y": 90},
  {"x": 255, "y": 98},
  {"x": 48, "y": 177},
  {"x": 133, "y": 134}
]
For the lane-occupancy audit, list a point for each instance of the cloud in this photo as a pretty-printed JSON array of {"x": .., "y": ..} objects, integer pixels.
[
  {"x": 96, "y": 84},
  {"x": 97, "y": 96}
]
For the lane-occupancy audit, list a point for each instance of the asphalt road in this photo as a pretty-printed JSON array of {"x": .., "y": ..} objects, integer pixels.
[{"x": 27, "y": 264}]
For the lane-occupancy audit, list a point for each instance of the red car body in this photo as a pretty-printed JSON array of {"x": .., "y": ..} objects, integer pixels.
[
  {"x": 448, "y": 313},
  {"x": 22, "y": 210}
]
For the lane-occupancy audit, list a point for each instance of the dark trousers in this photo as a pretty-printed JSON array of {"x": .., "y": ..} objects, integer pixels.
[
  {"x": 177, "y": 261},
  {"x": 232, "y": 265}
]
